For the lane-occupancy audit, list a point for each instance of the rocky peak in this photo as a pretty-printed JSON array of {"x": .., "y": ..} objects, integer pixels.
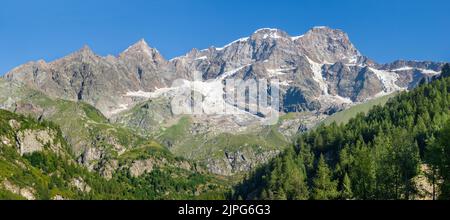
[
  {"x": 141, "y": 50},
  {"x": 193, "y": 53},
  {"x": 85, "y": 51},
  {"x": 269, "y": 33},
  {"x": 140, "y": 46},
  {"x": 327, "y": 31},
  {"x": 84, "y": 55},
  {"x": 326, "y": 45}
]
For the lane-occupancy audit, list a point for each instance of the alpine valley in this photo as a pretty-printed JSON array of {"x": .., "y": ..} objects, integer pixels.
[{"x": 92, "y": 127}]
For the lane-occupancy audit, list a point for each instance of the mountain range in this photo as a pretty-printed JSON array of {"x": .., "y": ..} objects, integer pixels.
[
  {"x": 319, "y": 70},
  {"x": 108, "y": 105}
]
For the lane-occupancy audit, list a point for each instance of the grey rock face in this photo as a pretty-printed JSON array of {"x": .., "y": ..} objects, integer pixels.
[
  {"x": 26, "y": 192},
  {"x": 325, "y": 45},
  {"x": 140, "y": 167},
  {"x": 100, "y": 81},
  {"x": 108, "y": 169},
  {"x": 146, "y": 67},
  {"x": 30, "y": 141},
  {"x": 239, "y": 162},
  {"x": 80, "y": 184},
  {"x": 91, "y": 157}
]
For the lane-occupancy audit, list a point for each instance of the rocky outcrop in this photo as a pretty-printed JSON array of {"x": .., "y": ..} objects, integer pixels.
[
  {"x": 26, "y": 192},
  {"x": 80, "y": 184},
  {"x": 140, "y": 167},
  {"x": 30, "y": 141},
  {"x": 58, "y": 197},
  {"x": 98, "y": 155},
  {"x": 239, "y": 161},
  {"x": 91, "y": 157},
  {"x": 300, "y": 123},
  {"x": 108, "y": 168}
]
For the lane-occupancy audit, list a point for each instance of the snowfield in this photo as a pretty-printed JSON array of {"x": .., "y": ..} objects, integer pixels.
[{"x": 388, "y": 79}]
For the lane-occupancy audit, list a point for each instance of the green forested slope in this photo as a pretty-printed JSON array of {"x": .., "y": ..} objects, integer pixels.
[
  {"x": 48, "y": 171},
  {"x": 378, "y": 155}
]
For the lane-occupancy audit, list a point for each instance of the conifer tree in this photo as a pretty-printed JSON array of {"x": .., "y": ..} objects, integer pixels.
[
  {"x": 324, "y": 188},
  {"x": 346, "y": 189}
]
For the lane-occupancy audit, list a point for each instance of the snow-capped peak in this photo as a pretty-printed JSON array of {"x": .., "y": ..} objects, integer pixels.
[
  {"x": 241, "y": 40},
  {"x": 320, "y": 27},
  {"x": 266, "y": 29}
]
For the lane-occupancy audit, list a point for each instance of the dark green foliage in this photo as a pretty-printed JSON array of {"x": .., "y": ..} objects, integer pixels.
[
  {"x": 438, "y": 157},
  {"x": 346, "y": 188},
  {"x": 374, "y": 156}
]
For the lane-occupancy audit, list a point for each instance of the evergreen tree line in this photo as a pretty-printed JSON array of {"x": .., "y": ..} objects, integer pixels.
[{"x": 378, "y": 155}]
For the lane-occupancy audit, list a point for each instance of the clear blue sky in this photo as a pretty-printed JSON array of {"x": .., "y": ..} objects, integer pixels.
[{"x": 383, "y": 30}]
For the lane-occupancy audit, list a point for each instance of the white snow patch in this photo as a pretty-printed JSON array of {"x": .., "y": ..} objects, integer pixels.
[
  {"x": 359, "y": 65},
  {"x": 428, "y": 71},
  {"x": 353, "y": 60},
  {"x": 388, "y": 79},
  {"x": 202, "y": 58},
  {"x": 296, "y": 37},
  {"x": 241, "y": 40},
  {"x": 158, "y": 92},
  {"x": 231, "y": 72},
  {"x": 405, "y": 68},
  {"x": 425, "y": 71},
  {"x": 317, "y": 70},
  {"x": 335, "y": 99},
  {"x": 266, "y": 29},
  {"x": 277, "y": 72},
  {"x": 273, "y": 35}
]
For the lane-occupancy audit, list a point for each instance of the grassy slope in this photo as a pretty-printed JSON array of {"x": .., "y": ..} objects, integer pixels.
[
  {"x": 344, "y": 116},
  {"x": 80, "y": 122},
  {"x": 201, "y": 147}
]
